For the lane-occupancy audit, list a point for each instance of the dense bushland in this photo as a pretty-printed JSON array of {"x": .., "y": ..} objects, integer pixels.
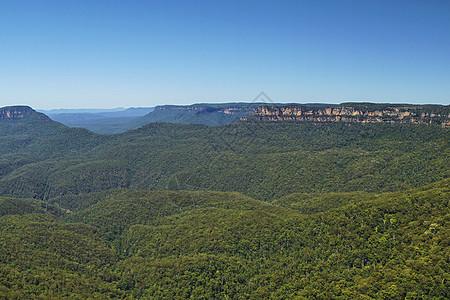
[{"x": 251, "y": 210}]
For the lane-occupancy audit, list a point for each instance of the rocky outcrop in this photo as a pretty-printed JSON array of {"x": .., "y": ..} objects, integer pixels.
[
  {"x": 20, "y": 112},
  {"x": 358, "y": 113}
]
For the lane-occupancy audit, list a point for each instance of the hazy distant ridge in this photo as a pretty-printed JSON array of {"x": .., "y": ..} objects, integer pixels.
[{"x": 216, "y": 114}]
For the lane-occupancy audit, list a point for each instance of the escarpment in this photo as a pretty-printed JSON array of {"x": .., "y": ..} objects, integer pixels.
[
  {"x": 356, "y": 113},
  {"x": 20, "y": 112}
]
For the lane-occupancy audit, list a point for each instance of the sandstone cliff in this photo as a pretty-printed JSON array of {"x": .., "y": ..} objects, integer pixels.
[
  {"x": 356, "y": 113},
  {"x": 21, "y": 113}
]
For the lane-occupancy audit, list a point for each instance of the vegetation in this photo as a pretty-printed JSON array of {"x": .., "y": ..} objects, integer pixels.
[
  {"x": 251, "y": 210},
  {"x": 179, "y": 244},
  {"x": 209, "y": 114},
  {"x": 263, "y": 160}
]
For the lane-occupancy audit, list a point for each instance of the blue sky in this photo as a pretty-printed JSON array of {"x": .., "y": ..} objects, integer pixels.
[{"x": 105, "y": 54}]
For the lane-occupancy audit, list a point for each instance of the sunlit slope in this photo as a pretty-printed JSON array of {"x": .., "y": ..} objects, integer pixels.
[
  {"x": 181, "y": 244},
  {"x": 262, "y": 160},
  {"x": 44, "y": 258},
  {"x": 37, "y": 137},
  {"x": 379, "y": 248},
  {"x": 28, "y": 140},
  {"x": 17, "y": 206},
  {"x": 113, "y": 211},
  {"x": 376, "y": 247}
]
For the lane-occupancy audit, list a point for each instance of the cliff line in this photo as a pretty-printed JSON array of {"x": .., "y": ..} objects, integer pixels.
[{"x": 356, "y": 113}]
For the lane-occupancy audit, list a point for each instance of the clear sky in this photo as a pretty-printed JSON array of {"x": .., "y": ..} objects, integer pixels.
[{"x": 103, "y": 54}]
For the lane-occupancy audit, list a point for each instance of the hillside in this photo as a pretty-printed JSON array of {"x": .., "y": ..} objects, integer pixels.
[
  {"x": 364, "y": 250},
  {"x": 24, "y": 130},
  {"x": 256, "y": 209},
  {"x": 207, "y": 114},
  {"x": 212, "y": 114},
  {"x": 28, "y": 138},
  {"x": 225, "y": 245},
  {"x": 111, "y": 122},
  {"x": 263, "y": 160},
  {"x": 99, "y": 121}
]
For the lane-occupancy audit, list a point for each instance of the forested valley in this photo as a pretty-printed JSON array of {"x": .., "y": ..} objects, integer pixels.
[{"x": 250, "y": 210}]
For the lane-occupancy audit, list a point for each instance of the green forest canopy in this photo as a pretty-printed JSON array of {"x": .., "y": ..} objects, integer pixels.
[{"x": 251, "y": 210}]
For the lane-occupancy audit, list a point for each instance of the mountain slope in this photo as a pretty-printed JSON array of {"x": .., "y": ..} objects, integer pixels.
[
  {"x": 263, "y": 160},
  {"x": 178, "y": 244},
  {"x": 206, "y": 114},
  {"x": 29, "y": 140},
  {"x": 113, "y": 211},
  {"x": 104, "y": 122},
  {"x": 132, "y": 118},
  {"x": 42, "y": 257},
  {"x": 250, "y": 210},
  {"x": 373, "y": 249},
  {"x": 23, "y": 130}
]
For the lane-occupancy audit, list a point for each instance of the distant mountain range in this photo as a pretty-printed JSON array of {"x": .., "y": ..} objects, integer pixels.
[
  {"x": 120, "y": 119},
  {"x": 57, "y": 111},
  {"x": 212, "y": 114},
  {"x": 54, "y": 159},
  {"x": 98, "y": 120}
]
